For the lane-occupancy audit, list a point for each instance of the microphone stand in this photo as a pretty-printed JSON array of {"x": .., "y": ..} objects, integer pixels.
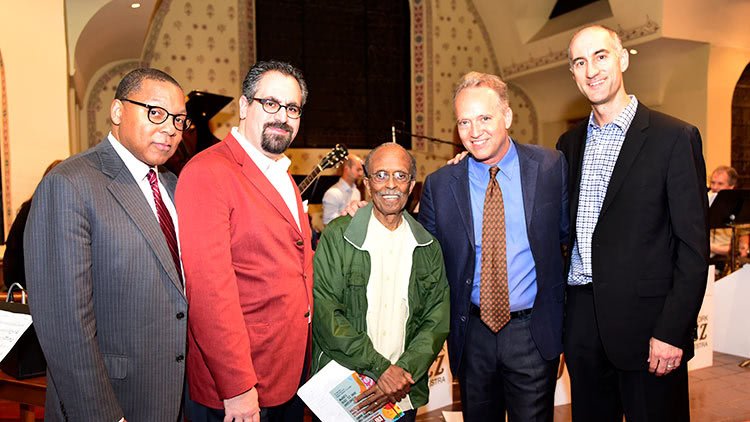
[{"x": 429, "y": 138}]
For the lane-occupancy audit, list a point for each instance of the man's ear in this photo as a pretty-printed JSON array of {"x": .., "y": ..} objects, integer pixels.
[
  {"x": 115, "y": 112},
  {"x": 624, "y": 59},
  {"x": 508, "y": 114},
  {"x": 411, "y": 186},
  {"x": 244, "y": 104}
]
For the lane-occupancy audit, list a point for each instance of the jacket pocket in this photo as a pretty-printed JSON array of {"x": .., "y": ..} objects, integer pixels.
[
  {"x": 654, "y": 287},
  {"x": 355, "y": 299},
  {"x": 117, "y": 366}
]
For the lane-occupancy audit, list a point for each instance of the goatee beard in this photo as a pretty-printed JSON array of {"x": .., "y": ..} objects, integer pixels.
[{"x": 276, "y": 144}]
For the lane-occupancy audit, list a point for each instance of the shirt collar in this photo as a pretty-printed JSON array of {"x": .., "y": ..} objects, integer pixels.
[
  {"x": 345, "y": 186},
  {"x": 622, "y": 120},
  {"x": 506, "y": 164},
  {"x": 264, "y": 163},
  {"x": 137, "y": 168}
]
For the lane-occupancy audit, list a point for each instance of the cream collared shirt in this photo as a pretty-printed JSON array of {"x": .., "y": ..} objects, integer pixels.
[
  {"x": 388, "y": 289},
  {"x": 276, "y": 171}
]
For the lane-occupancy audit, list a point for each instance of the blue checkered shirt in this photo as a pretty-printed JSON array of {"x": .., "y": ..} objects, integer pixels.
[{"x": 603, "y": 146}]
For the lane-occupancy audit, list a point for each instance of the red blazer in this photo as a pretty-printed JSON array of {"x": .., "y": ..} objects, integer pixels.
[{"x": 248, "y": 279}]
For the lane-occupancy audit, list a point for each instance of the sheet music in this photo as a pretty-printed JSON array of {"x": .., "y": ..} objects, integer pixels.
[{"x": 12, "y": 327}]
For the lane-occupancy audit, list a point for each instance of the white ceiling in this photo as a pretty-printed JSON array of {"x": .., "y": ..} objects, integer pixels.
[{"x": 102, "y": 32}]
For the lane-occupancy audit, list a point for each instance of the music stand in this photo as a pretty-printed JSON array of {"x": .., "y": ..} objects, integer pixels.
[{"x": 730, "y": 209}]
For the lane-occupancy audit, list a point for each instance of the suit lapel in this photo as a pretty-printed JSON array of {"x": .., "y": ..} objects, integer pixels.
[
  {"x": 529, "y": 174},
  {"x": 261, "y": 182},
  {"x": 575, "y": 164},
  {"x": 459, "y": 186},
  {"x": 634, "y": 140},
  {"x": 130, "y": 197}
]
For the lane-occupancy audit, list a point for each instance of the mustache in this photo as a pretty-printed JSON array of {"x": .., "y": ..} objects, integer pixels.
[{"x": 278, "y": 125}]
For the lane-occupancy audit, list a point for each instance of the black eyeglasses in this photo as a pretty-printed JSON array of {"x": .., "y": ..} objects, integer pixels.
[
  {"x": 158, "y": 115},
  {"x": 272, "y": 107}
]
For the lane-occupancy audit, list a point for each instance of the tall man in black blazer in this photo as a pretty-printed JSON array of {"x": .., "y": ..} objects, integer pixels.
[
  {"x": 508, "y": 365},
  {"x": 639, "y": 245}
]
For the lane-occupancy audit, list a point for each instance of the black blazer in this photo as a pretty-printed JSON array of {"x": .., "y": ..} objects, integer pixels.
[
  {"x": 650, "y": 245},
  {"x": 445, "y": 211}
]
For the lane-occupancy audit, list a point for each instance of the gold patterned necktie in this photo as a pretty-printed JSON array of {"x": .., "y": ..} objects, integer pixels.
[{"x": 493, "y": 280}]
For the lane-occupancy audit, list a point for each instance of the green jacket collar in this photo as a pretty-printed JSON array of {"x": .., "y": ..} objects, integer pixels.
[{"x": 356, "y": 231}]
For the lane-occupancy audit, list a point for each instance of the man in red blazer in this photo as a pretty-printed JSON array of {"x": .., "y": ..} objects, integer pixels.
[{"x": 245, "y": 241}]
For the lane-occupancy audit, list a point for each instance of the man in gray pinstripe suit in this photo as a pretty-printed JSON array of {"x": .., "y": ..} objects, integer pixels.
[{"x": 105, "y": 289}]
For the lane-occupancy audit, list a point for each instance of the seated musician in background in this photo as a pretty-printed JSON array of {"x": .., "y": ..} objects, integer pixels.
[
  {"x": 724, "y": 178},
  {"x": 380, "y": 292},
  {"x": 338, "y": 196}
]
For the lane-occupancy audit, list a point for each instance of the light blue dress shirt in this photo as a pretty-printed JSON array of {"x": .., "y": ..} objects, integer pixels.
[{"x": 521, "y": 270}]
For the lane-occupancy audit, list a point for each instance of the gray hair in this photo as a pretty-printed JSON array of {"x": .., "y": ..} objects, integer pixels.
[
  {"x": 478, "y": 79},
  {"x": 412, "y": 160},
  {"x": 256, "y": 72}
]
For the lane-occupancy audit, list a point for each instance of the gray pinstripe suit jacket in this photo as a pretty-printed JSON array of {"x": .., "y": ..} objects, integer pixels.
[{"x": 105, "y": 296}]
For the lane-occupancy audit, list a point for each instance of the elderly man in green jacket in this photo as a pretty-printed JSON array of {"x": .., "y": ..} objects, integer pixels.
[{"x": 380, "y": 292}]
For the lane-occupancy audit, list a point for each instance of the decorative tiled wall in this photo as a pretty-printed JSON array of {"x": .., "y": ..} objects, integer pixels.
[
  {"x": 458, "y": 43},
  {"x": 201, "y": 44},
  {"x": 210, "y": 45}
]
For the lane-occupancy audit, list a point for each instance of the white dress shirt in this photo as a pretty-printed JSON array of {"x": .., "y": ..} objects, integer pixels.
[
  {"x": 337, "y": 198},
  {"x": 276, "y": 171},
  {"x": 139, "y": 170}
]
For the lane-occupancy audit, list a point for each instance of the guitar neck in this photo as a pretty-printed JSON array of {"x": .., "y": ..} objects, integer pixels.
[{"x": 309, "y": 179}]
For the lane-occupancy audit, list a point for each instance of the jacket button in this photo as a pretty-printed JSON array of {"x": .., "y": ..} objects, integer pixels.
[
  {"x": 463, "y": 319},
  {"x": 300, "y": 243},
  {"x": 180, "y": 358},
  {"x": 307, "y": 314},
  {"x": 180, "y": 315},
  {"x": 468, "y": 281}
]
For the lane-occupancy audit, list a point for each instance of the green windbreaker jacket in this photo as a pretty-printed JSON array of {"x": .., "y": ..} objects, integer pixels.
[{"x": 342, "y": 271}]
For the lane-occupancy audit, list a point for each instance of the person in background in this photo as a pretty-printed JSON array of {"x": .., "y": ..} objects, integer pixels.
[
  {"x": 13, "y": 263},
  {"x": 341, "y": 194},
  {"x": 381, "y": 296},
  {"x": 724, "y": 178}
]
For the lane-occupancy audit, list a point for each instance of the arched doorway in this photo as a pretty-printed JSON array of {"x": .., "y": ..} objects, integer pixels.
[{"x": 741, "y": 128}]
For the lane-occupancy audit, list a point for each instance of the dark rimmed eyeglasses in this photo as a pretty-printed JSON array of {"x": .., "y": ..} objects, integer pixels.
[
  {"x": 272, "y": 107},
  {"x": 158, "y": 115}
]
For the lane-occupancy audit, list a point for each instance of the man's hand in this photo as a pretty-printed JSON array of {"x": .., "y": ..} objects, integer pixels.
[
  {"x": 242, "y": 408},
  {"x": 352, "y": 208},
  {"x": 455, "y": 160},
  {"x": 395, "y": 383},
  {"x": 370, "y": 400},
  {"x": 663, "y": 358},
  {"x": 392, "y": 386}
]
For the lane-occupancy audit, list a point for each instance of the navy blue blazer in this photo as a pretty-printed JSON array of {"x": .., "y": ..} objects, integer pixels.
[{"x": 445, "y": 211}]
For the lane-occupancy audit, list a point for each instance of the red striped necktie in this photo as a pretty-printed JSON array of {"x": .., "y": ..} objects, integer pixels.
[{"x": 165, "y": 222}]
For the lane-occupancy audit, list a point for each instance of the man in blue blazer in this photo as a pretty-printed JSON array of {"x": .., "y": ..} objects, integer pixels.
[{"x": 506, "y": 297}]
